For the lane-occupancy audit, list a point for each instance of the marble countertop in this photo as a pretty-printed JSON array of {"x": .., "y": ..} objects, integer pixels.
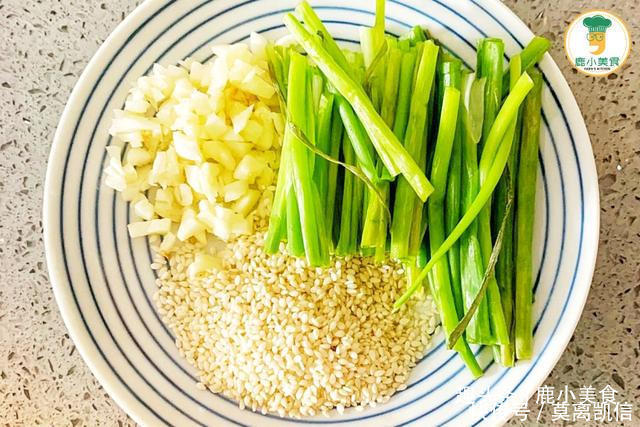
[{"x": 45, "y": 46}]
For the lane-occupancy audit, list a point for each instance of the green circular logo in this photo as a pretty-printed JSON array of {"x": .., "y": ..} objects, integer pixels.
[{"x": 597, "y": 43}]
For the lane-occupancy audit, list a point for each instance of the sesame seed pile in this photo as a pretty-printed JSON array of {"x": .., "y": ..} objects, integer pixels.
[{"x": 278, "y": 336}]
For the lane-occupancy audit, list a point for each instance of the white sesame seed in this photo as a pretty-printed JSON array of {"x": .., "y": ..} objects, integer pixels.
[{"x": 278, "y": 336}]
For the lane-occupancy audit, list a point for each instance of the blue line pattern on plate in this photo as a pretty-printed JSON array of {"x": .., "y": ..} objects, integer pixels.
[{"x": 81, "y": 242}]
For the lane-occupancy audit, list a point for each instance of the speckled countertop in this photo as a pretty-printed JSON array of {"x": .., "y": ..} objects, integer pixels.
[{"x": 44, "y": 46}]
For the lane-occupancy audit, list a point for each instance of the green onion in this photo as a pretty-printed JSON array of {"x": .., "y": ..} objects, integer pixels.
[
  {"x": 449, "y": 73},
  {"x": 505, "y": 269},
  {"x": 295, "y": 244},
  {"x": 490, "y": 58},
  {"x": 415, "y": 35},
  {"x": 530, "y": 55},
  {"x": 497, "y": 247},
  {"x": 439, "y": 283},
  {"x": 306, "y": 194},
  {"x": 359, "y": 139},
  {"x": 471, "y": 265},
  {"x": 371, "y": 39},
  {"x": 418, "y": 225},
  {"x": 391, "y": 85},
  {"x": 351, "y": 205},
  {"x": 490, "y": 53},
  {"x": 395, "y": 158},
  {"x": 325, "y": 116},
  {"x": 525, "y": 210},
  {"x": 332, "y": 179},
  {"x": 407, "y": 66},
  {"x": 505, "y": 116},
  {"x": 374, "y": 231},
  {"x": 277, "y": 221},
  {"x": 405, "y": 201},
  {"x": 316, "y": 26}
]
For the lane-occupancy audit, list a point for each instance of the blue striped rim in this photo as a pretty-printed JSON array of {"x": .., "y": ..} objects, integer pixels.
[
  {"x": 101, "y": 262},
  {"x": 582, "y": 213},
  {"x": 535, "y": 362},
  {"x": 94, "y": 297},
  {"x": 62, "y": 241}
]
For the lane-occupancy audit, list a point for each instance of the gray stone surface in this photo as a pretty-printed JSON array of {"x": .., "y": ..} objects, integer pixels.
[{"x": 44, "y": 46}]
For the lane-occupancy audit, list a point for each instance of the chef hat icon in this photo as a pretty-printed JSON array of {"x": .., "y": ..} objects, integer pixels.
[{"x": 596, "y": 23}]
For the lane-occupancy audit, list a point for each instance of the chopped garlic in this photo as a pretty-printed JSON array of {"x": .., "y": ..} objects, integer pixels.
[
  {"x": 145, "y": 228},
  {"x": 168, "y": 242},
  {"x": 187, "y": 147},
  {"x": 143, "y": 208},
  {"x": 201, "y": 264},
  {"x": 249, "y": 168},
  {"x": 240, "y": 118},
  {"x": 127, "y": 122},
  {"x": 218, "y": 151},
  {"x": 209, "y": 183},
  {"x": 138, "y": 156},
  {"x": 184, "y": 196},
  {"x": 202, "y": 139},
  {"x": 189, "y": 225},
  {"x": 252, "y": 131},
  {"x": 258, "y": 45},
  {"x": 192, "y": 175},
  {"x": 239, "y": 149},
  {"x": 215, "y": 126},
  {"x": 235, "y": 190},
  {"x": 247, "y": 202},
  {"x": 254, "y": 84}
]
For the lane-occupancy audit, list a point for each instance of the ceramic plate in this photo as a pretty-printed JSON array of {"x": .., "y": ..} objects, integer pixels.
[{"x": 104, "y": 285}]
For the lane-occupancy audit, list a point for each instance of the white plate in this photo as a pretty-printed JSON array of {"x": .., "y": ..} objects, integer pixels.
[{"x": 103, "y": 282}]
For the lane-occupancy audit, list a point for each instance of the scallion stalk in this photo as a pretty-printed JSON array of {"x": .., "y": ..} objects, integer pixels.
[
  {"x": 505, "y": 268},
  {"x": 295, "y": 243},
  {"x": 374, "y": 231},
  {"x": 471, "y": 266},
  {"x": 405, "y": 200},
  {"x": 490, "y": 66},
  {"x": 306, "y": 194},
  {"x": 530, "y": 56},
  {"x": 349, "y": 195},
  {"x": 505, "y": 116},
  {"x": 415, "y": 35},
  {"x": 325, "y": 116},
  {"x": 394, "y": 156},
  {"x": 359, "y": 139},
  {"x": 450, "y": 75},
  {"x": 332, "y": 178},
  {"x": 525, "y": 210},
  {"x": 404, "y": 93},
  {"x": 440, "y": 283}
]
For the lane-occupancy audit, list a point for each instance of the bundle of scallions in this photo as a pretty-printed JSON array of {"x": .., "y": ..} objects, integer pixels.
[{"x": 365, "y": 130}]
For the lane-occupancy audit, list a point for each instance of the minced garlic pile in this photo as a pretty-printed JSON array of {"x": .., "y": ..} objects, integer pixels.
[{"x": 202, "y": 144}]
